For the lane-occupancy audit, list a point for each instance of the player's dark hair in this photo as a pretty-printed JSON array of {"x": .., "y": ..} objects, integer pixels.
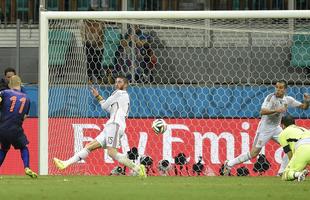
[
  {"x": 122, "y": 77},
  {"x": 287, "y": 120},
  {"x": 283, "y": 82},
  {"x": 9, "y": 69}
]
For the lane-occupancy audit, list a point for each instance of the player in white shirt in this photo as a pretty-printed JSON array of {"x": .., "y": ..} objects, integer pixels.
[
  {"x": 118, "y": 107},
  {"x": 272, "y": 110}
]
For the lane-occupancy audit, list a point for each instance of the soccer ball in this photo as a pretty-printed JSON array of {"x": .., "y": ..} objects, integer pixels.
[{"x": 159, "y": 126}]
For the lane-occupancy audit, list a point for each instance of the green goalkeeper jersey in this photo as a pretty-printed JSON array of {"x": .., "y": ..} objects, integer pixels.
[{"x": 293, "y": 135}]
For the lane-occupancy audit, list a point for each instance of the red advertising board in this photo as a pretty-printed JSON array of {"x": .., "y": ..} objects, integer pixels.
[{"x": 214, "y": 140}]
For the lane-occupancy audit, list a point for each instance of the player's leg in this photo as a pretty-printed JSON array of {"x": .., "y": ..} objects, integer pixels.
[
  {"x": 285, "y": 159},
  {"x": 24, "y": 153},
  {"x": 245, "y": 156},
  {"x": 81, "y": 155},
  {"x": 3, "y": 153},
  {"x": 4, "y": 148},
  {"x": 260, "y": 140},
  {"x": 123, "y": 159},
  {"x": 111, "y": 142},
  {"x": 21, "y": 143},
  {"x": 228, "y": 165},
  {"x": 296, "y": 167}
]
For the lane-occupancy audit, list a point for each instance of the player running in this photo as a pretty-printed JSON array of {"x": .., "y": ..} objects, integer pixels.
[
  {"x": 118, "y": 107},
  {"x": 272, "y": 110},
  {"x": 295, "y": 141},
  {"x": 15, "y": 106}
]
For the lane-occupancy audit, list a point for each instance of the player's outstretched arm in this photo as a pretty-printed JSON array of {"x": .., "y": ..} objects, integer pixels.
[
  {"x": 265, "y": 111},
  {"x": 305, "y": 104},
  {"x": 95, "y": 93},
  {"x": 105, "y": 104}
]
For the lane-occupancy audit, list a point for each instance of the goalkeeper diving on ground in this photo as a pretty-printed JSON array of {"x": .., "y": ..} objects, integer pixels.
[
  {"x": 118, "y": 107},
  {"x": 295, "y": 141}
]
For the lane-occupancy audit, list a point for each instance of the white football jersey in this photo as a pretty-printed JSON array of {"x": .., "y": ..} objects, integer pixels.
[
  {"x": 118, "y": 107},
  {"x": 271, "y": 102}
]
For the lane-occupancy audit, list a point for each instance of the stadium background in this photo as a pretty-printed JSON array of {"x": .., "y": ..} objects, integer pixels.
[
  {"x": 28, "y": 13},
  {"x": 229, "y": 102}
]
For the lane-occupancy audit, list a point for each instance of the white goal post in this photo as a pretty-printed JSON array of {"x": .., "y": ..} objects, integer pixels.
[{"x": 45, "y": 16}]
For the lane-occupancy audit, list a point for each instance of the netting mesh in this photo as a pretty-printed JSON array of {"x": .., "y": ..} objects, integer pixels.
[{"x": 206, "y": 78}]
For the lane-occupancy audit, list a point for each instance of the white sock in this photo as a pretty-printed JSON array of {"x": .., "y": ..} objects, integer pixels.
[
  {"x": 81, "y": 155},
  {"x": 284, "y": 163},
  {"x": 240, "y": 159},
  {"x": 122, "y": 158}
]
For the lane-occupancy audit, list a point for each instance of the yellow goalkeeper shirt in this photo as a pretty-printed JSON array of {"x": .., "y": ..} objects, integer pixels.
[{"x": 293, "y": 135}]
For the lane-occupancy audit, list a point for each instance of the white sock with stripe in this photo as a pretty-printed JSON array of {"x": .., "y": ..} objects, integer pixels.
[
  {"x": 240, "y": 159},
  {"x": 81, "y": 155}
]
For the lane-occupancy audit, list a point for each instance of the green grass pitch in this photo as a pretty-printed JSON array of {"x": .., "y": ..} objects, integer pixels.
[{"x": 152, "y": 188}]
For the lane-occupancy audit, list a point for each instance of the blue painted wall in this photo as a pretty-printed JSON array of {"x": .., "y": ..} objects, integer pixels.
[{"x": 167, "y": 101}]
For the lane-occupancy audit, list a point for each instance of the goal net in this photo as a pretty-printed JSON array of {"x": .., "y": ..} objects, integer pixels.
[{"x": 204, "y": 73}]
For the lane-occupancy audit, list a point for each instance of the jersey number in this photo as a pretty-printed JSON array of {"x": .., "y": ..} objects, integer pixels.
[{"x": 13, "y": 103}]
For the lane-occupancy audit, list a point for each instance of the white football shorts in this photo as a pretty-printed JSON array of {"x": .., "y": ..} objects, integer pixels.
[
  {"x": 263, "y": 136},
  {"x": 111, "y": 136}
]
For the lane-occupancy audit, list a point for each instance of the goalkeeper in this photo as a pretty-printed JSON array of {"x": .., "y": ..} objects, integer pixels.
[{"x": 295, "y": 141}]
